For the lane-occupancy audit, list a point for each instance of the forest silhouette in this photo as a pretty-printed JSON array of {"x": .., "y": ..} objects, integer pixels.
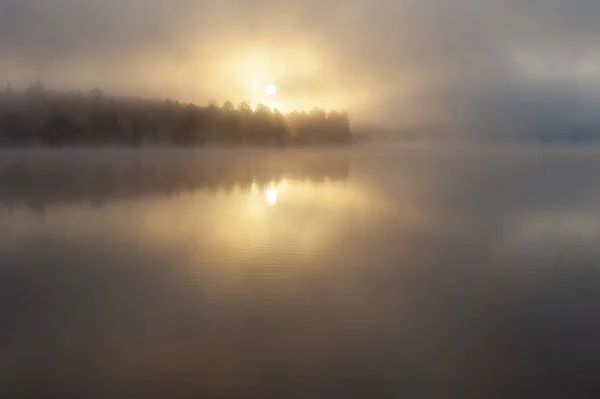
[{"x": 38, "y": 116}]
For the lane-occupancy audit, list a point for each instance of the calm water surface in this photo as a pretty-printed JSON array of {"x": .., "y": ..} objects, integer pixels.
[{"x": 355, "y": 273}]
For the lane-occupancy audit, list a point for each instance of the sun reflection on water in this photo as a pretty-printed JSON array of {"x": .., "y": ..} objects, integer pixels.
[{"x": 271, "y": 196}]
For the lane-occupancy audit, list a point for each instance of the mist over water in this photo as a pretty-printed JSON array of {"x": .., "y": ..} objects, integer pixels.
[{"x": 371, "y": 271}]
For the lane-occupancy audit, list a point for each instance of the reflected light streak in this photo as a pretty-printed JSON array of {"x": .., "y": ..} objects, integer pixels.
[{"x": 271, "y": 196}]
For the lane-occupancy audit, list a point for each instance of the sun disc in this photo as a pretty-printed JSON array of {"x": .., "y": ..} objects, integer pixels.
[{"x": 271, "y": 90}]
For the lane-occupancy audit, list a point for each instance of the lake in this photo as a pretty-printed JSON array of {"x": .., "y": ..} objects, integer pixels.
[{"x": 366, "y": 272}]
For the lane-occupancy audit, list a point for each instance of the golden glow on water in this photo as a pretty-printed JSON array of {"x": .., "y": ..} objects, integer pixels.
[
  {"x": 259, "y": 215},
  {"x": 285, "y": 212}
]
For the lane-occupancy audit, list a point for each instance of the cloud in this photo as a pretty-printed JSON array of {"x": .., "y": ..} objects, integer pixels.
[{"x": 474, "y": 62}]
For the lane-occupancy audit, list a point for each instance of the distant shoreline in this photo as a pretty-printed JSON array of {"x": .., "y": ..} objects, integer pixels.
[{"x": 39, "y": 117}]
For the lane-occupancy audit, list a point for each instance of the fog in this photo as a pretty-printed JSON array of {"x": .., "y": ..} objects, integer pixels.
[{"x": 488, "y": 65}]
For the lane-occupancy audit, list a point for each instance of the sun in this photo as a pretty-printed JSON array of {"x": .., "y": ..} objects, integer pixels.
[{"x": 271, "y": 90}]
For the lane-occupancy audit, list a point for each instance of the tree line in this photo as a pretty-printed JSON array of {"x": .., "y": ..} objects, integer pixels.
[{"x": 44, "y": 117}]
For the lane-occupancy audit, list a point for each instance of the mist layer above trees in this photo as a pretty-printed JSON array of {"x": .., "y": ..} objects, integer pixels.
[{"x": 42, "y": 117}]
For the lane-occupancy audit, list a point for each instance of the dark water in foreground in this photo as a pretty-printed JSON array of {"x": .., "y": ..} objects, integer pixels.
[{"x": 359, "y": 273}]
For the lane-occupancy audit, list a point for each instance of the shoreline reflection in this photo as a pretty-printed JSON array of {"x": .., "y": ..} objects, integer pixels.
[{"x": 98, "y": 178}]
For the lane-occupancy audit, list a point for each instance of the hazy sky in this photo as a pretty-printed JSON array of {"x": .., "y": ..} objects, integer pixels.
[{"x": 467, "y": 61}]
